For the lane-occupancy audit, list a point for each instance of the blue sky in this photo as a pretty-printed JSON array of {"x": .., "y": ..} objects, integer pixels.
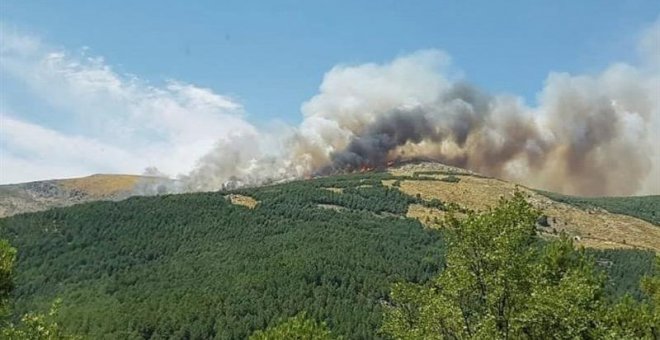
[
  {"x": 271, "y": 57},
  {"x": 272, "y": 54}
]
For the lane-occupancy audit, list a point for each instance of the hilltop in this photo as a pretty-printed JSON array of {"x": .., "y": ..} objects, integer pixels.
[
  {"x": 225, "y": 264},
  {"x": 43, "y": 195}
]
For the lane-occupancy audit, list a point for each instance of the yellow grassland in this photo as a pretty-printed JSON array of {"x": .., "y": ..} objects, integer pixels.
[
  {"x": 429, "y": 217},
  {"x": 102, "y": 185},
  {"x": 591, "y": 228},
  {"x": 243, "y": 200}
]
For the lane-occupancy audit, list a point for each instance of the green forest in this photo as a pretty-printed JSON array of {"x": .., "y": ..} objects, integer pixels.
[
  {"x": 195, "y": 266},
  {"x": 643, "y": 207}
]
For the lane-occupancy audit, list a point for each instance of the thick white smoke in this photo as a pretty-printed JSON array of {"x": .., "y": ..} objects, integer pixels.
[
  {"x": 589, "y": 135},
  {"x": 68, "y": 114}
]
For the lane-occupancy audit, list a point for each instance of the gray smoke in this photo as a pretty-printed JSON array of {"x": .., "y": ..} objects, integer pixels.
[
  {"x": 465, "y": 128},
  {"x": 371, "y": 148},
  {"x": 587, "y": 134}
]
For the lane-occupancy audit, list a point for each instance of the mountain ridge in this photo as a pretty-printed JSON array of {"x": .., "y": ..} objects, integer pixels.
[
  {"x": 589, "y": 225},
  {"x": 42, "y": 195}
]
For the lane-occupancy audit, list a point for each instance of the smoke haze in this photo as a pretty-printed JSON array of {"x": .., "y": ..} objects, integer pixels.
[{"x": 591, "y": 134}]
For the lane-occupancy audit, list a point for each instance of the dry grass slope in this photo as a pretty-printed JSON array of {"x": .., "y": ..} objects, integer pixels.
[
  {"x": 102, "y": 185},
  {"x": 243, "y": 200},
  {"x": 594, "y": 228},
  {"x": 430, "y": 217}
]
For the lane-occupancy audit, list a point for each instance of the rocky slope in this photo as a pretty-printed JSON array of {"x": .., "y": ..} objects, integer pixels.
[{"x": 43, "y": 195}]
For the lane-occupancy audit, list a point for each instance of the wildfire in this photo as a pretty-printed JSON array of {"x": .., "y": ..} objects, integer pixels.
[{"x": 366, "y": 168}]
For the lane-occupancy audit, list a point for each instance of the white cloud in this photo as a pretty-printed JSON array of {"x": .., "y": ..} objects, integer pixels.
[
  {"x": 115, "y": 122},
  {"x": 31, "y": 151},
  {"x": 360, "y": 93},
  {"x": 649, "y": 44}
]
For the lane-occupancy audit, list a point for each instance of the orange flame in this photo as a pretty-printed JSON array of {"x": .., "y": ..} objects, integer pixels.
[{"x": 366, "y": 168}]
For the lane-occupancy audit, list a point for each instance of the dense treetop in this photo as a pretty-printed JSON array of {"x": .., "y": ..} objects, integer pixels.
[
  {"x": 197, "y": 266},
  {"x": 499, "y": 283},
  {"x": 319, "y": 256}
]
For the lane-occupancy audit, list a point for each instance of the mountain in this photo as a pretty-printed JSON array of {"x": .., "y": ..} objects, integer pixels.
[
  {"x": 43, "y": 195},
  {"x": 225, "y": 264}
]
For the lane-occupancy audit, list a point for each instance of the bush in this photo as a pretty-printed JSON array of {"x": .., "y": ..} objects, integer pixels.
[{"x": 451, "y": 179}]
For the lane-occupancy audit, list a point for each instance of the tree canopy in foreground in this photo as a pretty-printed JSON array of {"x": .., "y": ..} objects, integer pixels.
[{"x": 501, "y": 283}]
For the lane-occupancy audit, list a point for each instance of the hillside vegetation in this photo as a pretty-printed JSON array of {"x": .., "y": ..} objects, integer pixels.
[
  {"x": 500, "y": 283},
  {"x": 199, "y": 266},
  {"x": 227, "y": 264}
]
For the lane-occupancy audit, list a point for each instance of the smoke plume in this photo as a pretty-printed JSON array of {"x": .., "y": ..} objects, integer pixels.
[{"x": 588, "y": 135}]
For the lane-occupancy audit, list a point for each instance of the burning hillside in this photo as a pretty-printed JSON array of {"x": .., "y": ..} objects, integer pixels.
[{"x": 587, "y": 135}]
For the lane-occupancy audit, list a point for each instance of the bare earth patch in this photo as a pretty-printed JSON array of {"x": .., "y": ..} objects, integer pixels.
[
  {"x": 335, "y": 190},
  {"x": 331, "y": 207},
  {"x": 243, "y": 200}
]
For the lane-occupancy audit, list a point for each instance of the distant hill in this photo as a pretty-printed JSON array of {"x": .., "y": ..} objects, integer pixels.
[
  {"x": 42, "y": 195},
  {"x": 224, "y": 264}
]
